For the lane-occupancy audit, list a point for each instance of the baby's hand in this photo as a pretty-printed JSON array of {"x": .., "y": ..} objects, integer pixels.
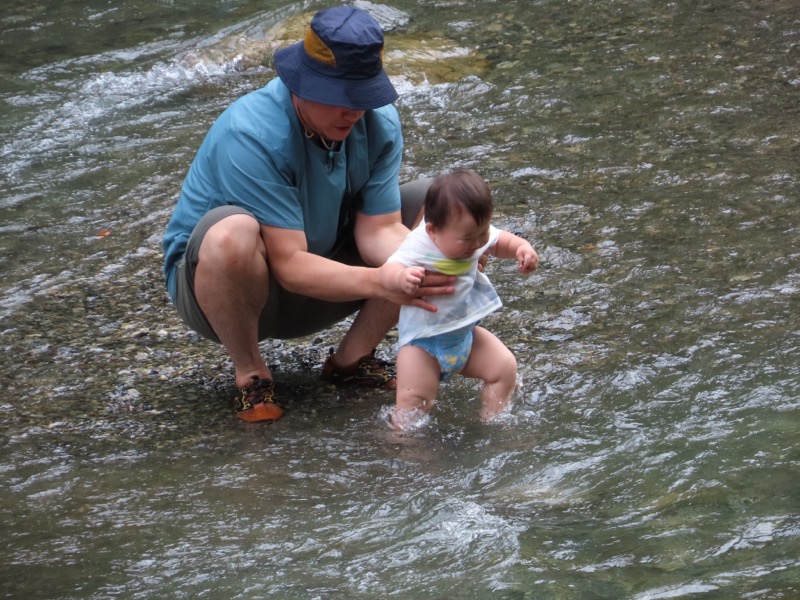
[
  {"x": 527, "y": 259},
  {"x": 411, "y": 279}
]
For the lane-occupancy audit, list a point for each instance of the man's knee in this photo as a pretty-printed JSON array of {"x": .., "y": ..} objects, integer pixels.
[
  {"x": 412, "y": 198},
  {"x": 231, "y": 239}
]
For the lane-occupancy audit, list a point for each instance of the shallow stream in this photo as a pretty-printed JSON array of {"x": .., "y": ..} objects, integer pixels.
[{"x": 649, "y": 149}]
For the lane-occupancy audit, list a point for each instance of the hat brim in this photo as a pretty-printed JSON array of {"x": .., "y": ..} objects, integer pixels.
[{"x": 310, "y": 82}]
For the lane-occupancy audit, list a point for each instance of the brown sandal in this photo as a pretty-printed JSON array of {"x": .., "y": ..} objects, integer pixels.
[
  {"x": 256, "y": 402},
  {"x": 369, "y": 371}
]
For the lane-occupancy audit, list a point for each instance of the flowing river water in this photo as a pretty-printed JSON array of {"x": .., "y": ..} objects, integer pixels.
[{"x": 649, "y": 149}]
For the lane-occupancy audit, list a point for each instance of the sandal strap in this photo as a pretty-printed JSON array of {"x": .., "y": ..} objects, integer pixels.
[
  {"x": 260, "y": 390},
  {"x": 369, "y": 371}
]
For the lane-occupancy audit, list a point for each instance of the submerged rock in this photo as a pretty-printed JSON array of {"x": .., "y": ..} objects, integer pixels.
[
  {"x": 410, "y": 55},
  {"x": 388, "y": 17}
]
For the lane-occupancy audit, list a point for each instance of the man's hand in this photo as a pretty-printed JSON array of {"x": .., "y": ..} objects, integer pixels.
[
  {"x": 411, "y": 285},
  {"x": 433, "y": 284}
]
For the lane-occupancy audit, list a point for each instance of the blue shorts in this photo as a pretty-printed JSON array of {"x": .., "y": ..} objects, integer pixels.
[{"x": 451, "y": 349}]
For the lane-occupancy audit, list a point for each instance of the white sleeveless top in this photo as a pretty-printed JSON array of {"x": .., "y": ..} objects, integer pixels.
[{"x": 474, "y": 296}]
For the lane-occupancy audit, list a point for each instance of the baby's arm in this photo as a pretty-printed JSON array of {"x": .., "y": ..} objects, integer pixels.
[
  {"x": 512, "y": 246},
  {"x": 397, "y": 277}
]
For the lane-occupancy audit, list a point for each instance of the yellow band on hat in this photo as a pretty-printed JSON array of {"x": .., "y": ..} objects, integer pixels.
[{"x": 317, "y": 49}]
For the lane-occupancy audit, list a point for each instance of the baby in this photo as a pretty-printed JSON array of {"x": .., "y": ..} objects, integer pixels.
[{"x": 454, "y": 234}]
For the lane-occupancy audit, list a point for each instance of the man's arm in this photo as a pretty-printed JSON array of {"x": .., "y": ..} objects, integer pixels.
[
  {"x": 378, "y": 236},
  {"x": 301, "y": 272}
]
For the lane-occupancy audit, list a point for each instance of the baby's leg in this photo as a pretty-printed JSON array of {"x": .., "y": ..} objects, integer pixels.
[
  {"x": 491, "y": 361},
  {"x": 417, "y": 385}
]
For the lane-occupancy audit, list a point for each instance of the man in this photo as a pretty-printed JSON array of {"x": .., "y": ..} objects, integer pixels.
[{"x": 289, "y": 208}]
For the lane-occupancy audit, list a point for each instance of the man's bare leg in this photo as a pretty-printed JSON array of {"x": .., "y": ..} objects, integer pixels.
[
  {"x": 231, "y": 284},
  {"x": 377, "y": 317},
  {"x": 369, "y": 328}
]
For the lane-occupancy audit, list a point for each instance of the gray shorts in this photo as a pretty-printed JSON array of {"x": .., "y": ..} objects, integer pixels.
[{"x": 285, "y": 315}]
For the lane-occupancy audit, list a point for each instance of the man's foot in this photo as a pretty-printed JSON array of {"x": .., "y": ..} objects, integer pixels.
[
  {"x": 369, "y": 371},
  {"x": 256, "y": 402}
]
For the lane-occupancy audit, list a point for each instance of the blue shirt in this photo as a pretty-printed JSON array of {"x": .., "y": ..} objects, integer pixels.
[{"x": 256, "y": 156}]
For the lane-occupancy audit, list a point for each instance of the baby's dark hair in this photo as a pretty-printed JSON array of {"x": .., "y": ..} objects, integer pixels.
[{"x": 459, "y": 190}]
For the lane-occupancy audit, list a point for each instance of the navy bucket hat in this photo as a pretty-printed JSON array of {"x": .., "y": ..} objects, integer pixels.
[{"x": 340, "y": 61}]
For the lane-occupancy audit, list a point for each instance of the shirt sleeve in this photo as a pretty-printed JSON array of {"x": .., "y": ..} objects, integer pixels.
[
  {"x": 381, "y": 192},
  {"x": 404, "y": 255},
  {"x": 494, "y": 236},
  {"x": 412, "y": 250}
]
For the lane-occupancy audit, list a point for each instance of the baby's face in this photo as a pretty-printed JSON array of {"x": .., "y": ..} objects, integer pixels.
[{"x": 460, "y": 237}]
